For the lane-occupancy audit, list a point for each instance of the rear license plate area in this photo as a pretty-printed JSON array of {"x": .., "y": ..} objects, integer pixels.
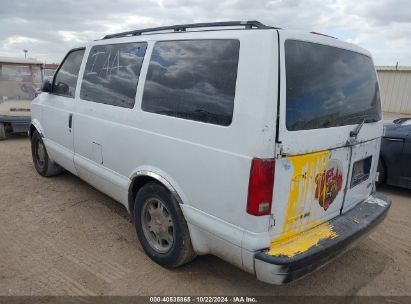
[{"x": 361, "y": 171}]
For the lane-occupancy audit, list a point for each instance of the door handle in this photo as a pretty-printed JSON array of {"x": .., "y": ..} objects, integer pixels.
[
  {"x": 394, "y": 139},
  {"x": 70, "y": 120}
]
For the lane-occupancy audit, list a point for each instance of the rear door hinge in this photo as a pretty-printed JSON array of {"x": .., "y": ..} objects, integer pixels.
[
  {"x": 272, "y": 221},
  {"x": 278, "y": 150}
]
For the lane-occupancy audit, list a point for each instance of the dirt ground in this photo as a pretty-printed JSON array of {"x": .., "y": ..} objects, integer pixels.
[{"x": 59, "y": 236}]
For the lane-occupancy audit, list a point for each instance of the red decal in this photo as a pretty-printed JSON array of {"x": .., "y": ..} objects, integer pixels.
[{"x": 329, "y": 183}]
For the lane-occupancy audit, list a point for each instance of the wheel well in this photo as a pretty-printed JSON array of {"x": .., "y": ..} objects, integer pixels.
[
  {"x": 32, "y": 129},
  {"x": 135, "y": 186}
]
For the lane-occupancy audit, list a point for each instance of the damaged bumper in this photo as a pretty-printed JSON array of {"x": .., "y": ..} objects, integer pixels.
[{"x": 350, "y": 228}]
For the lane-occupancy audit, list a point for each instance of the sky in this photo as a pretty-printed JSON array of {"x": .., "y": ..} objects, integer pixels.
[{"x": 49, "y": 28}]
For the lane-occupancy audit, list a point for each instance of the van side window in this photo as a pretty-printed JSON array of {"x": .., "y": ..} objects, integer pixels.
[
  {"x": 65, "y": 80},
  {"x": 193, "y": 79},
  {"x": 112, "y": 72}
]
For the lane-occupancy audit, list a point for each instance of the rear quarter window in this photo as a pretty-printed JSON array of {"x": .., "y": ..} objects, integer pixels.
[
  {"x": 193, "y": 79},
  {"x": 328, "y": 87}
]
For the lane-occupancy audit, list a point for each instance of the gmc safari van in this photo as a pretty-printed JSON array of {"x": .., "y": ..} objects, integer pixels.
[
  {"x": 19, "y": 78},
  {"x": 248, "y": 142}
]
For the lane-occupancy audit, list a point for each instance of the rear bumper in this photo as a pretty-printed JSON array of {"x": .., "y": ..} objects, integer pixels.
[
  {"x": 350, "y": 228},
  {"x": 19, "y": 124}
]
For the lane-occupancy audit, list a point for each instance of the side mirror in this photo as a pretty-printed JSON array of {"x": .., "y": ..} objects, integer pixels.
[
  {"x": 46, "y": 87},
  {"x": 61, "y": 88},
  {"x": 399, "y": 121},
  {"x": 37, "y": 92}
]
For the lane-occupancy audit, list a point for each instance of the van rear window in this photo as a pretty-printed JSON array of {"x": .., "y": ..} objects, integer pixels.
[{"x": 328, "y": 87}]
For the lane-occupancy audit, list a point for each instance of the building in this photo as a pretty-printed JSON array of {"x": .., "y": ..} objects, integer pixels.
[
  {"x": 49, "y": 69},
  {"x": 395, "y": 88}
]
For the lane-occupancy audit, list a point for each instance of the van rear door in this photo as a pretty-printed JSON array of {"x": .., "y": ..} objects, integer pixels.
[{"x": 329, "y": 131}]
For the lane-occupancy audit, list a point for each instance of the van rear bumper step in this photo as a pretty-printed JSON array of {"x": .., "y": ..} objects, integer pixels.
[{"x": 350, "y": 228}]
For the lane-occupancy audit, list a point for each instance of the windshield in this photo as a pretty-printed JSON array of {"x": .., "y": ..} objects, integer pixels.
[
  {"x": 19, "y": 81},
  {"x": 328, "y": 87}
]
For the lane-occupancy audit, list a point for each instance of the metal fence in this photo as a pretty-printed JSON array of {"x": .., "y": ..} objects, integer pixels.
[{"x": 395, "y": 88}]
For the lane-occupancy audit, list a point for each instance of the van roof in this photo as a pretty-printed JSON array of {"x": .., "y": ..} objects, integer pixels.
[
  {"x": 216, "y": 27},
  {"x": 202, "y": 26},
  {"x": 209, "y": 26}
]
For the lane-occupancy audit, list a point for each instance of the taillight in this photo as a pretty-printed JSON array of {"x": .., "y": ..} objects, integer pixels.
[{"x": 260, "y": 186}]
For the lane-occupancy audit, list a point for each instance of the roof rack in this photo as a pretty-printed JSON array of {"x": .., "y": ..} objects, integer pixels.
[
  {"x": 184, "y": 27},
  {"x": 321, "y": 34}
]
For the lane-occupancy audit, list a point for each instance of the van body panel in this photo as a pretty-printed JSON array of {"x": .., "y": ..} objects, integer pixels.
[
  {"x": 55, "y": 121},
  {"x": 359, "y": 188},
  {"x": 201, "y": 148},
  {"x": 309, "y": 189},
  {"x": 205, "y": 242}
]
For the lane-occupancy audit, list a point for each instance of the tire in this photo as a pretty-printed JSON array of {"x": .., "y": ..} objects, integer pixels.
[
  {"x": 161, "y": 226},
  {"x": 43, "y": 164},
  {"x": 2, "y": 131},
  {"x": 382, "y": 172}
]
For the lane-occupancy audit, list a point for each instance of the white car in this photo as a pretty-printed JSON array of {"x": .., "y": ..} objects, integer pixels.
[{"x": 256, "y": 144}]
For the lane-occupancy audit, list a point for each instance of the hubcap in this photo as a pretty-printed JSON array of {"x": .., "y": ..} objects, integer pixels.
[
  {"x": 40, "y": 153},
  {"x": 157, "y": 225}
]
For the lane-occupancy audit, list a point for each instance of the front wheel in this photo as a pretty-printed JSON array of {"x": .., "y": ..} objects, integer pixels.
[
  {"x": 161, "y": 226},
  {"x": 43, "y": 164}
]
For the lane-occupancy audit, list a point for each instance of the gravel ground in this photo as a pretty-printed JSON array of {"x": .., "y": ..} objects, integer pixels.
[{"x": 60, "y": 236}]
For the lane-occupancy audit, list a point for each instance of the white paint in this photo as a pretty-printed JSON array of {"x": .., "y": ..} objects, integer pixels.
[{"x": 374, "y": 200}]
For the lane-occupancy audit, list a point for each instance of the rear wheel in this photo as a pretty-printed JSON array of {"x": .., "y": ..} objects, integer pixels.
[
  {"x": 161, "y": 227},
  {"x": 44, "y": 166},
  {"x": 2, "y": 131}
]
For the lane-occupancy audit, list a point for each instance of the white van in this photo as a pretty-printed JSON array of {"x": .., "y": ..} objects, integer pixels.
[{"x": 252, "y": 143}]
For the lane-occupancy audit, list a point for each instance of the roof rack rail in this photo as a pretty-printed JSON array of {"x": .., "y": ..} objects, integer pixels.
[
  {"x": 321, "y": 34},
  {"x": 184, "y": 27}
]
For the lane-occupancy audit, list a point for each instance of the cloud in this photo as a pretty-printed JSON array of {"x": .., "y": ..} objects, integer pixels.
[
  {"x": 51, "y": 27},
  {"x": 21, "y": 40}
]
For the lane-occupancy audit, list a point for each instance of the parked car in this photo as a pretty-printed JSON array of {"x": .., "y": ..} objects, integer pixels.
[
  {"x": 19, "y": 78},
  {"x": 394, "y": 166},
  {"x": 255, "y": 144}
]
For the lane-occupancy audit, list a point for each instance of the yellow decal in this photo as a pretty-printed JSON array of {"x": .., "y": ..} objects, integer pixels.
[{"x": 304, "y": 191}]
